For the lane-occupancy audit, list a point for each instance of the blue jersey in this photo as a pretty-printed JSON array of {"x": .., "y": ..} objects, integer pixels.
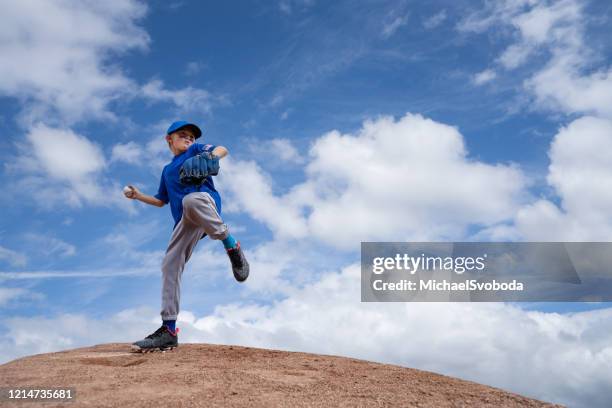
[{"x": 171, "y": 190}]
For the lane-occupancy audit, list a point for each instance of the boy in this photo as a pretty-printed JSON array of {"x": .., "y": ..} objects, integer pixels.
[{"x": 196, "y": 210}]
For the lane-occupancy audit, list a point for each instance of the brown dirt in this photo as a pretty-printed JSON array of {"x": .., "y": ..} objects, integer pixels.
[{"x": 204, "y": 375}]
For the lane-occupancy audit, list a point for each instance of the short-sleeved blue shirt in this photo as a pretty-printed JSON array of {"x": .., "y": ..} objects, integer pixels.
[{"x": 170, "y": 188}]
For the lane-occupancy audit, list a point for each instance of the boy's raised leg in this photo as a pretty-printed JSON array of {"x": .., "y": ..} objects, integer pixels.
[{"x": 200, "y": 209}]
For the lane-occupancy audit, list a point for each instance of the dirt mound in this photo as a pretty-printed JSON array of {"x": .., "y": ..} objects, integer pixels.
[{"x": 198, "y": 375}]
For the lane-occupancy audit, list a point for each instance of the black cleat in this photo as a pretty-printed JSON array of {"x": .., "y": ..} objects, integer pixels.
[
  {"x": 162, "y": 339},
  {"x": 240, "y": 266}
]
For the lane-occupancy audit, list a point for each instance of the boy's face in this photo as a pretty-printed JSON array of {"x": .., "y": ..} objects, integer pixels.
[{"x": 180, "y": 140}]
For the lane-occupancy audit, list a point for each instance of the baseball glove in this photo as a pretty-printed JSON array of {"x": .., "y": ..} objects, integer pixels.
[{"x": 195, "y": 169}]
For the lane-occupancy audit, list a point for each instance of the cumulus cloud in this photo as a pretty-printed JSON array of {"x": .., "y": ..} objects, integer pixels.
[
  {"x": 544, "y": 355},
  {"x": 405, "y": 179},
  {"x": 580, "y": 173},
  {"x": 56, "y": 69},
  {"x": 580, "y": 177},
  {"x": 561, "y": 86},
  {"x": 43, "y": 166},
  {"x": 571, "y": 80},
  {"x": 278, "y": 213},
  {"x": 61, "y": 75},
  {"x": 49, "y": 147}
]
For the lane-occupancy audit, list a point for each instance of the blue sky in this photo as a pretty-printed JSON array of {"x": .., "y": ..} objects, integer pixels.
[{"x": 345, "y": 122}]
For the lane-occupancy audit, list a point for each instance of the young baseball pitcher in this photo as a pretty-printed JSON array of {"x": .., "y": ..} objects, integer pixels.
[{"x": 186, "y": 183}]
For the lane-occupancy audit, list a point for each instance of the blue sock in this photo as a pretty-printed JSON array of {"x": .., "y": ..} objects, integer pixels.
[
  {"x": 171, "y": 324},
  {"x": 229, "y": 242}
]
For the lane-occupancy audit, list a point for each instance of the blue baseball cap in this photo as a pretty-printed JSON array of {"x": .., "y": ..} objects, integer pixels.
[{"x": 180, "y": 124}]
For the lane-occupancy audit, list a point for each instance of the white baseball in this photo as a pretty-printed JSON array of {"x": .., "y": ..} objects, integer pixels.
[{"x": 127, "y": 190}]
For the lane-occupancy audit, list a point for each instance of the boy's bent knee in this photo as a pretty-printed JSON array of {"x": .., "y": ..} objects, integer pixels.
[
  {"x": 189, "y": 201},
  {"x": 192, "y": 200}
]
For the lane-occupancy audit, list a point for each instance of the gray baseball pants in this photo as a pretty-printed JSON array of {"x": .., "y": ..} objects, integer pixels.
[{"x": 199, "y": 216}]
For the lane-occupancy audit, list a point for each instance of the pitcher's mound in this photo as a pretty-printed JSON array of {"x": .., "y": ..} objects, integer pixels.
[{"x": 204, "y": 375}]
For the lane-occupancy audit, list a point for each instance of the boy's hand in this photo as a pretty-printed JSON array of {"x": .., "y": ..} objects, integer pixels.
[
  {"x": 212, "y": 163},
  {"x": 131, "y": 192}
]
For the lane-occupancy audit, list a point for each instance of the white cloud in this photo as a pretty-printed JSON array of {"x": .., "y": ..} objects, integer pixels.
[
  {"x": 260, "y": 202},
  {"x": 538, "y": 23},
  {"x": 544, "y": 355},
  {"x": 130, "y": 236},
  {"x": 484, "y": 76},
  {"x": 35, "y": 335},
  {"x": 11, "y": 295},
  {"x": 50, "y": 146},
  {"x": 515, "y": 55},
  {"x": 14, "y": 298},
  {"x": 572, "y": 80},
  {"x": 284, "y": 149},
  {"x": 12, "y": 257},
  {"x": 44, "y": 166},
  {"x": 393, "y": 25},
  {"x": 62, "y": 75},
  {"x": 129, "y": 152},
  {"x": 548, "y": 21},
  {"x": 581, "y": 154},
  {"x": 57, "y": 70},
  {"x": 8, "y": 294},
  {"x": 561, "y": 87},
  {"x": 435, "y": 20},
  {"x": 72, "y": 274},
  {"x": 580, "y": 173},
  {"x": 277, "y": 266},
  {"x": 50, "y": 246},
  {"x": 405, "y": 179},
  {"x": 187, "y": 99}
]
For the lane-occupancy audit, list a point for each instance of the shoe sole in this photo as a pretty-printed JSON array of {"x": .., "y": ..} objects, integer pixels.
[
  {"x": 240, "y": 278},
  {"x": 137, "y": 349}
]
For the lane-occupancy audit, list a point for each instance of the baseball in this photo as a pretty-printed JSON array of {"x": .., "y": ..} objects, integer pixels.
[{"x": 127, "y": 190}]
